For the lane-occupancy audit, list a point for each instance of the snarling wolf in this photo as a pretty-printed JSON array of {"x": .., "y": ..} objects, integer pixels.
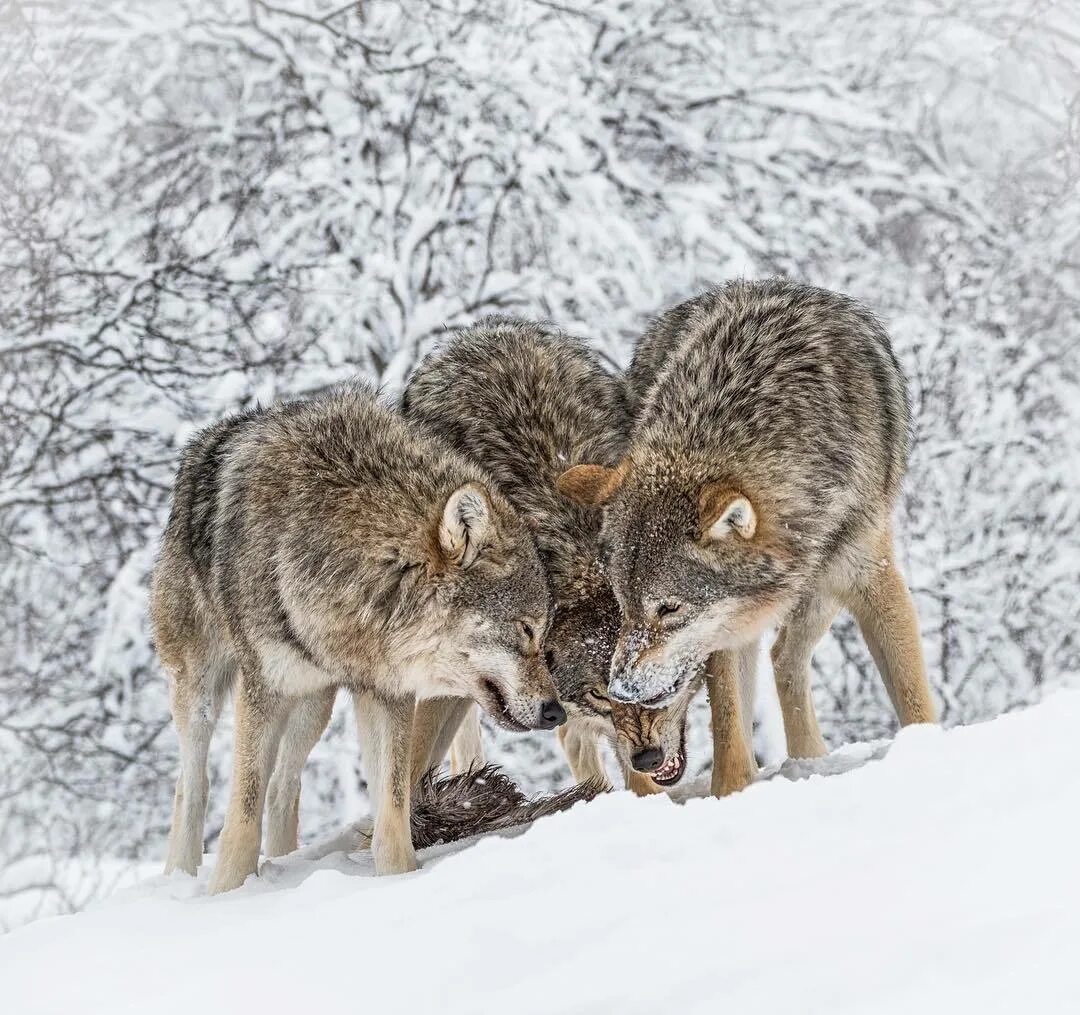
[
  {"x": 770, "y": 441},
  {"x": 525, "y": 402},
  {"x": 323, "y": 544}
]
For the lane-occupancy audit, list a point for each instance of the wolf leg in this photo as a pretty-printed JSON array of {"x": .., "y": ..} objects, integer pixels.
[
  {"x": 885, "y": 611},
  {"x": 639, "y": 783},
  {"x": 791, "y": 655},
  {"x": 467, "y": 747},
  {"x": 434, "y": 727},
  {"x": 258, "y": 721},
  {"x": 582, "y": 752},
  {"x": 730, "y": 680},
  {"x": 196, "y": 695},
  {"x": 303, "y": 728},
  {"x": 386, "y": 731}
]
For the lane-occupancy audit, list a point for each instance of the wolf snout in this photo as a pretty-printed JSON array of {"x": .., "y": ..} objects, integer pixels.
[
  {"x": 550, "y": 715},
  {"x": 647, "y": 759}
]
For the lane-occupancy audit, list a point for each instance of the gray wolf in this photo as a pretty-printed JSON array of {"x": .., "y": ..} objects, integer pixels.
[
  {"x": 525, "y": 402},
  {"x": 323, "y": 544},
  {"x": 771, "y": 438}
]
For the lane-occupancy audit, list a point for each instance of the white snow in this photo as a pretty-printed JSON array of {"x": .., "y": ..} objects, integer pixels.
[{"x": 935, "y": 874}]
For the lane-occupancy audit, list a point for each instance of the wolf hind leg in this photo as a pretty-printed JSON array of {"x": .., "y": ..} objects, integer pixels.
[
  {"x": 883, "y": 607},
  {"x": 260, "y": 714},
  {"x": 303, "y": 728},
  {"x": 791, "y": 655},
  {"x": 196, "y": 694},
  {"x": 386, "y": 733},
  {"x": 730, "y": 678}
]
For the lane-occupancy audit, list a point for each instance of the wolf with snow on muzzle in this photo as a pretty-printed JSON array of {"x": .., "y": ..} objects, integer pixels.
[{"x": 757, "y": 490}]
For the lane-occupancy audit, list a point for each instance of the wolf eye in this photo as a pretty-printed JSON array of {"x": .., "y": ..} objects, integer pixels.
[
  {"x": 529, "y": 631},
  {"x": 600, "y": 701},
  {"x": 667, "y": 608}
]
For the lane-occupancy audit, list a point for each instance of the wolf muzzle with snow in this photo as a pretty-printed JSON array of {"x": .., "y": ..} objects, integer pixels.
[{"x": 757, "y": 490}]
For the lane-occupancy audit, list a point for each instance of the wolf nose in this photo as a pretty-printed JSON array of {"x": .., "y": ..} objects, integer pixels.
[
  {"x": 647, "y": 759},
  {"x": 552, "y": 714}
]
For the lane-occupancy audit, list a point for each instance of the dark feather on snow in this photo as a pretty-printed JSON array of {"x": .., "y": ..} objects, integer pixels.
[{"x": 480, "y": 801}]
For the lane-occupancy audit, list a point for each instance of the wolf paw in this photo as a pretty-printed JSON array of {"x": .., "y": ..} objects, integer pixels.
[
  {"x": 232, "y": 871},
  {"x": 393, "y": 858}
]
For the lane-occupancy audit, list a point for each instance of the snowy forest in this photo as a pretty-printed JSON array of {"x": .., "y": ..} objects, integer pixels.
[{"x": 208, "y": 205}]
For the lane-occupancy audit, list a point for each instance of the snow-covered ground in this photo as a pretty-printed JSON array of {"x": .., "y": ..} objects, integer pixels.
[{"x": 938, "y": 874}]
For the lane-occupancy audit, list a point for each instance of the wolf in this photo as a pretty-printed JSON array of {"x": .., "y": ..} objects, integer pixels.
[
  {"x": 525, "y": 401},
  {"x": 771, "y": 438},
  {"x": 328, "y": 543}
]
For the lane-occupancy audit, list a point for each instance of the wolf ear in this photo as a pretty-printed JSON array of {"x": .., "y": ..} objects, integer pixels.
[
  {"x": 466, "y": 526},
  {"x": 725, "y": 511},
  {"x": 590, "y": 485}
]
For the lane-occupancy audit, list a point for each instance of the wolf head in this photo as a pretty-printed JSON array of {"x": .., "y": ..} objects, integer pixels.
[
  {"x": 694, "y": 564},
  {"x": 495, "y": 596},
  {"x": 578, "y": 651}
]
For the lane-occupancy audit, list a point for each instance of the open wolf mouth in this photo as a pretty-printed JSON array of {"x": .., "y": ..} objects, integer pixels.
[
  {"x": 498, "y": 707},
  {"x": 671, "y": 771}
]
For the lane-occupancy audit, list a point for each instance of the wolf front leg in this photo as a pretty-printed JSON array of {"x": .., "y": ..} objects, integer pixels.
[
  {"x": 885, "y": 612},
  {"x": 730, "y": 681},
  {"x": 386, "y": 732},
  {"x": 467, "y": 747},
  {"x": 640, "y": 784},
  {"x": 582, "y": 752},
  {"x": 435, "y": 726},
  {"x": 259, "y": 716}
]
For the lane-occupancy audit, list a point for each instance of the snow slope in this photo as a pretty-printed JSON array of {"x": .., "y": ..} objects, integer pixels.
[{"x": 938, "y": 874}]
